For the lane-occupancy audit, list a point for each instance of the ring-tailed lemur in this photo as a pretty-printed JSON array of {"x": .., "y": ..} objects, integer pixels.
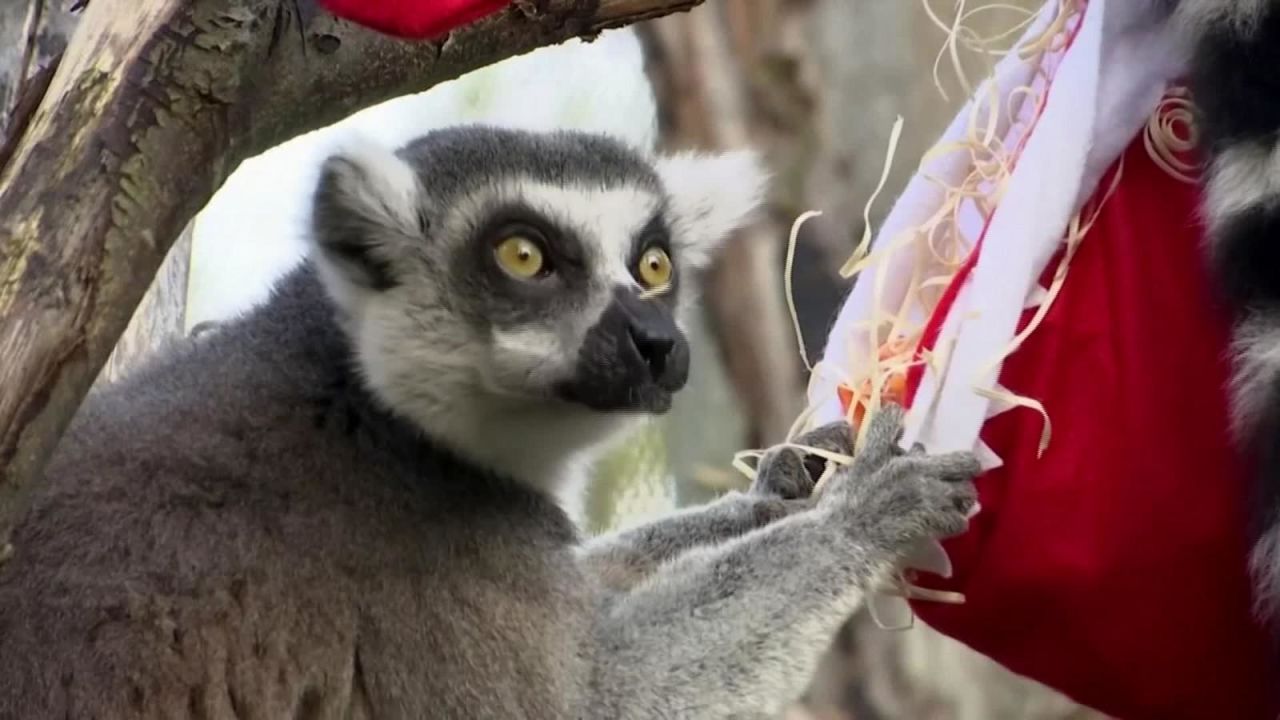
[
  {"x": 1235, "y": 85},
  {"x": 337, "y": 505}
]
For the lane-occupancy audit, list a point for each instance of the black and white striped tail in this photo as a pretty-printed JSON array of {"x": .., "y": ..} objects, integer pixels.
[{"x": 1235, "y": 82}]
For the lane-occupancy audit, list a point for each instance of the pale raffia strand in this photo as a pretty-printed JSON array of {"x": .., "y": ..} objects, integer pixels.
[
  {"x": 1170, "y": 132},
  {"x": 937, "y": 243}
]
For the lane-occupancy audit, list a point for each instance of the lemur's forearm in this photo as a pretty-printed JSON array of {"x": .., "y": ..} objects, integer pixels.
[
  {"x": 783, "y": 483},
  {"x": 732, "y": 630},
  {"x": 737, "y": 629},
  {"x": 623, "y": 559}
]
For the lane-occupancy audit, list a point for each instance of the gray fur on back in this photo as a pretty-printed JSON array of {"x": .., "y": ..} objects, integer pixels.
[{"x": 290, "y": 550}]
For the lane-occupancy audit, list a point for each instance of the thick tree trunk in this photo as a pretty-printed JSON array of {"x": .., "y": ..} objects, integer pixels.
[
  {"x": 33, "y": 35},
  {"x": 153, "y": 104}
]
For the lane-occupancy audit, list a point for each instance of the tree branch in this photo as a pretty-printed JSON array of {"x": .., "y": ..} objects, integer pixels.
[
  {"x": 154, "y": 103},
  {"x": 160, "y": 316}
]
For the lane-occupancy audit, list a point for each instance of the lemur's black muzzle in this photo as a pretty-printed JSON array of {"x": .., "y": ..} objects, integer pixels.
[{"x": 634, "y": 358}]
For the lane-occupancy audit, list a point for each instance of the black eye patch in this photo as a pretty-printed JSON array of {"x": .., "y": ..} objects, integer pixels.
[
  {"x": 563, "y": 248},
  {"x": 491, "y": 296},
  {"x": 655, "y": 234}
]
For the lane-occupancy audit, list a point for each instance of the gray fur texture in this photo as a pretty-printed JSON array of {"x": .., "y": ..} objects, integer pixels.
[
  {"x": 1235, "y": 50},
  {"x": 282, "y": 519}
]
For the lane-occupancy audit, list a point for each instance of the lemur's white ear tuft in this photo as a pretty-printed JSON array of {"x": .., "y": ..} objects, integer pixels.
[
  {"x": 711, "y": 195},
  {"x": 367, "y": 212}
]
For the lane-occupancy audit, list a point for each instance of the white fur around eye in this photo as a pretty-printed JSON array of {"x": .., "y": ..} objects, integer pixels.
[
  {"x": 606, "y": 219},
  {"x": 711, "y": 195}
]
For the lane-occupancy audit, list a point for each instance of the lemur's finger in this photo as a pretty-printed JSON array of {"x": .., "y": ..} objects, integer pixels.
[
  {"x": 782, "y": 473},
  {"x": 881, "y": 441}
]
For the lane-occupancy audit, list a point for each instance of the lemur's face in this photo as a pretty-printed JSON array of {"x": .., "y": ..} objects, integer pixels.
[
  {"x": 576, "y": 291},
  {"x": 532, "y": 268}
]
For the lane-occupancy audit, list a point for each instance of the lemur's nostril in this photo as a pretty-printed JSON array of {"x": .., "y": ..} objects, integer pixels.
[{"x": 654, "y": 349}]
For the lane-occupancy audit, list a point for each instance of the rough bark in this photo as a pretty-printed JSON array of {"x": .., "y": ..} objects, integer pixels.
[
  {"x": 153, "y": 104},
  {"x": 32, "y": 34},
  {"x": 160, "y": 317}
]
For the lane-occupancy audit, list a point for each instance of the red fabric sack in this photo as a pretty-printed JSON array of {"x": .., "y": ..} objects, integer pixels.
[
  {"x": 414, "y": 19},
  {"x": 1114, "y": 568}
]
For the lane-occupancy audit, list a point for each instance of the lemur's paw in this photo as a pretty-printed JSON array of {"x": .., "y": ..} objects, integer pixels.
[
  {"x": 790, "y": 473},
  {"x": 891, "y": 501}
]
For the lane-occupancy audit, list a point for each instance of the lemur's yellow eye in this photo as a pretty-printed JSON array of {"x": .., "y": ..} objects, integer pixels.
[
  {"x": 520, "y": 256},
  {"x": 654, "y": 268}
]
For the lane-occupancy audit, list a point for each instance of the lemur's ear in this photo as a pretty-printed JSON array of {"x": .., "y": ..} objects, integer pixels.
[
  {"x": 368, "y": 212},
  {"x": 711, "y": 195}
]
